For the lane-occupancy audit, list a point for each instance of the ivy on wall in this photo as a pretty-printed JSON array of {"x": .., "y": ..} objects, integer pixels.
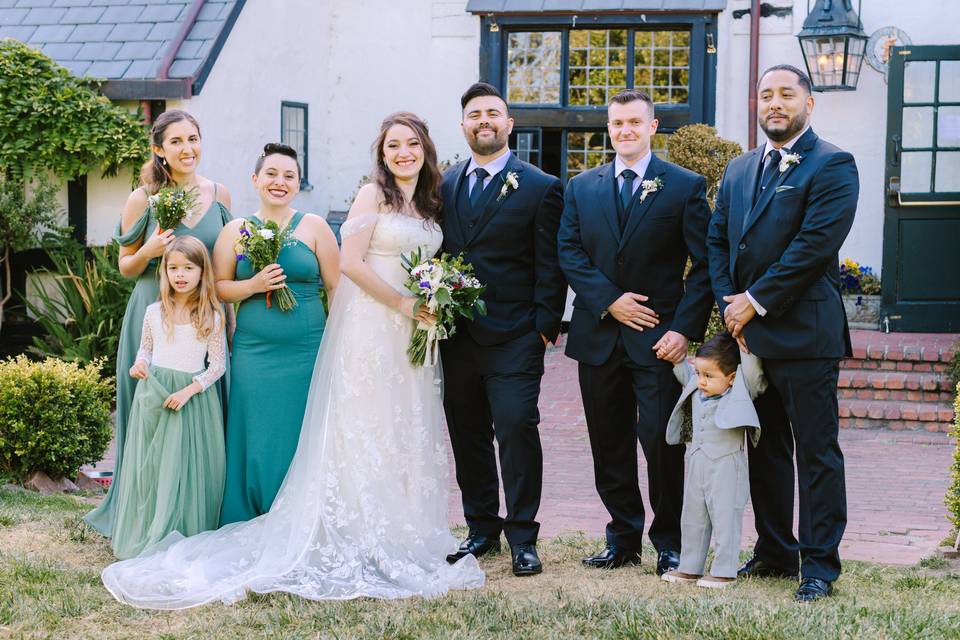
[{"x": 52, "y": 122}]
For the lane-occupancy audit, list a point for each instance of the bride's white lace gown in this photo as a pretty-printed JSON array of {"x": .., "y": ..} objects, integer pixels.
[{"x": 363, "y": 509}]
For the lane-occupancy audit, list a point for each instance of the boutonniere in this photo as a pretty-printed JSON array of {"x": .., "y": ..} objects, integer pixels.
[
  {"x": 788, "y": 160},
  {"x": 650, "y": 186},
  {"x": 510, "y": 183}
]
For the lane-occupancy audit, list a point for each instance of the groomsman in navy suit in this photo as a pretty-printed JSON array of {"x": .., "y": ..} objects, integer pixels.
[
  {"x": 502, "y": 214},
  {"x": 783, "y": 212},
  {"x": 627, "y": 230}
]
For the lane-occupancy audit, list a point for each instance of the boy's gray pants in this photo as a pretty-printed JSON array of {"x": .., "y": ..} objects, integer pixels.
[{"x": 714, "y": 496}]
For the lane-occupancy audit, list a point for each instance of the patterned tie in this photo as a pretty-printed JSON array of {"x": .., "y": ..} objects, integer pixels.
[
  {"x": 477, "y": 191},
  {"x": 626, "y": 193},
  {"x": 769, "y": 171}
]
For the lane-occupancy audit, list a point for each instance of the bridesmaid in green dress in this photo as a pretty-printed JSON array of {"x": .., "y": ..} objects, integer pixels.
[
  {"x": 273, "y": 350},
  {"x": 176, "y": 149}
]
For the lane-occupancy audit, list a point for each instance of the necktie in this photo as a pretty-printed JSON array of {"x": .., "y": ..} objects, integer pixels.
[
  {"x": 626, "y": 193},
  {"x": 477, "y": 191},
  {"x": 769, "y": 171}
]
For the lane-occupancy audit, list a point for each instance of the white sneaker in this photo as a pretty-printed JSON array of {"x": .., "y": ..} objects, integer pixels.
[
  {"x": 713, "y": 582},
  {"x": 680, "y": 577}
]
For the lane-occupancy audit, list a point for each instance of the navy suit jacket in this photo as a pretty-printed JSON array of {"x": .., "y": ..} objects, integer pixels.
[
  {"x": 513, "y": 249},
  {"x": 787, "y": 254},
  {"x": 649, "y": 258}
]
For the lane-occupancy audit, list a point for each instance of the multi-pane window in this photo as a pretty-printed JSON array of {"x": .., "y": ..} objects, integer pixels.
[
  {"x": 526, "y": 145},
  {"x": 293, "y": 132},
  {"x": 597, "y": 66},
  {"x": 533, "y": 75},
  {"x": 661, "y": 65}
]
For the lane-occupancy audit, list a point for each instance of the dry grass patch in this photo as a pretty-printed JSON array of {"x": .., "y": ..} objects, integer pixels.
[{"x": 50, "y": 588}]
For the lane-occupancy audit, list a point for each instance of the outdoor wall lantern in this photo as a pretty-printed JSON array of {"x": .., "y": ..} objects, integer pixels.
[{"x": 833, "y": 41}]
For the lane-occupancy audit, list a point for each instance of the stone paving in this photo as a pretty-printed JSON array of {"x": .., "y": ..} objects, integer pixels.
[{"x": 896, "y": 480}]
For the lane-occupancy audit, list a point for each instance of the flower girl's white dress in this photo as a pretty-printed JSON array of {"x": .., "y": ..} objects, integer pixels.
[{"x": 363, "y": 509}]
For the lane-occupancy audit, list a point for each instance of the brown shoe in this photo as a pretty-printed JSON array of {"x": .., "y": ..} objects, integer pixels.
[
  {"x": 713, "y": 582},
  {"x": 680, "y": 577}
]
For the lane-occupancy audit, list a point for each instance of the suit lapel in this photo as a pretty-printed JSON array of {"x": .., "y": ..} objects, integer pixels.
[
  {"x": 801, "y": 147},
  {"x": 657, "y": 167},
  {"x": 494, "y": 201},
  {"x": 606, "y": 188},
  {"x": 752, "y": 170},
  {"x": 455, "y": 198}
]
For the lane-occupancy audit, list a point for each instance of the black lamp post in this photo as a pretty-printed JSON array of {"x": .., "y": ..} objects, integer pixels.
[{"x": 833, "y": 42}]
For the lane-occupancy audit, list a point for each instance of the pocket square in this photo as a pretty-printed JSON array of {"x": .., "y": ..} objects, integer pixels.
[{"x": 784, "y": 187}]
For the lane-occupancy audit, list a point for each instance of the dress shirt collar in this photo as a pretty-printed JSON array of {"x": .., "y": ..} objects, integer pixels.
[
  {"x": 493, "y": 167},
  {"x": 639, "y": 167}
]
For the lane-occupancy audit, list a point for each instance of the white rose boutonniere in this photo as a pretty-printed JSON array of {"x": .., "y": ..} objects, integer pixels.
[
  {"x": 510, "y": 183},
  {"x": 788, "y": 160},
  {"x": 650, "y": 186}
]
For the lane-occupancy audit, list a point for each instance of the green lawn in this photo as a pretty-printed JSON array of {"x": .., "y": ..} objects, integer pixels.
[{"x": 50, "y": 588}]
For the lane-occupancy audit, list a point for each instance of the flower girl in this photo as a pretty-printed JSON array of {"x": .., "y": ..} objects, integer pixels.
[{"x": 173, "y": 471}]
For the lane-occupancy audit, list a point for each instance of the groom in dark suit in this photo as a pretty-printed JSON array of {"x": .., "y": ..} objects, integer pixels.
[
  {"x": 783, "y": 212},
  {"x": 627, "y": 230},
  {"x": 502, "y": 214}
]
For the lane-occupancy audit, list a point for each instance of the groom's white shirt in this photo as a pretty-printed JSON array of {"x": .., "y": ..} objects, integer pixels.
[
  {"x": 766, "y": 152},
  {"x": 493, "y": 167}
]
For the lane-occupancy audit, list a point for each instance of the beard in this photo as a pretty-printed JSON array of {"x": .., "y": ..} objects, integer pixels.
[
  {"x": 794, "y": 126},
  {"x": 489, "y": 147}
]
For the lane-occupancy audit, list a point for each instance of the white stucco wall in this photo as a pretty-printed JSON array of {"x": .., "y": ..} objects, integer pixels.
[
  {"x": 855, "y": 120},
  {"x": 352, "y": 63}
]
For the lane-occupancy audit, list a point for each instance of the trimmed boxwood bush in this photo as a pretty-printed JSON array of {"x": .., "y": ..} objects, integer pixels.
[{"x": 54, "y": 416}]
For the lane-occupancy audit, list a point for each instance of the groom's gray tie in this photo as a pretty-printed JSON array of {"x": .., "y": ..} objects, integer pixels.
[{"x": 477, "y": 190}]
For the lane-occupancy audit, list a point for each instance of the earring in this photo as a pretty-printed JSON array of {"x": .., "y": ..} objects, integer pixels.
[{"x": 163, "y": 161}]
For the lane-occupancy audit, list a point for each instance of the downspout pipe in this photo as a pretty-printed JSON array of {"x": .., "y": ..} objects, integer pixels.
[
  {"x": 754, "y": 63},
  {"x": 174, "y": 48}
]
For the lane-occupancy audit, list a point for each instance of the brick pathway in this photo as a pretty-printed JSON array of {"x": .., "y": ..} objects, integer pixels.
[{"x": 895, "y": 480}]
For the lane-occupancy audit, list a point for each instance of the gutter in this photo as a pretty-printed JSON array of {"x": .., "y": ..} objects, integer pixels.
[
  {"x": 174, "y": 48},
  {"x": 754, "y": 63}
]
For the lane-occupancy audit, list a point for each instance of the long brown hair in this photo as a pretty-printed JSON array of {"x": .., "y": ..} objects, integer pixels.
[
  {"x": 203, "y": 302},
  {"x": 426, "y": 197},
  {"x": 154, "y": 174}
]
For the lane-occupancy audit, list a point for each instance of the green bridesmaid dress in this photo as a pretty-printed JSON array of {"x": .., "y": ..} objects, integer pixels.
[
  {"x": 146, "y": 292},
  {"x": 271, "y": 365}
]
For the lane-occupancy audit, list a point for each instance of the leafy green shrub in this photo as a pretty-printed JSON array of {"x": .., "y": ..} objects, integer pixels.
[
  {"x": 953, "y": 492},
  {"x": 953, "y": 367},
  {"x": 54, "y": 416},
  {"x": 697, "y": 147},
  {"x": 80, "y": 308}
]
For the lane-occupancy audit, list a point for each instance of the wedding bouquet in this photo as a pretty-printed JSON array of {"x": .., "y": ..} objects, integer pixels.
[
  {"x": 172, "y": 205},
  {"x": 260, "y": 245},
  {"x": 447, "y": 288}
]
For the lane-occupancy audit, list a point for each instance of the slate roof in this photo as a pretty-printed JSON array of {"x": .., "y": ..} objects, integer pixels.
[
  {"x": 124, "y": 41},
  {"x": 584, "y": 6}
]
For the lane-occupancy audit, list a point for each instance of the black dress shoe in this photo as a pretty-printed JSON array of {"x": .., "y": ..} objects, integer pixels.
[
  {"x": 759, "y": 569},
  {"x": 475, "y": 546},
  {"x": 525, "y": 560},
  {"x": 612, "y": 557},
  {"x": 812, "y": 589},
  {"x": 667, "y": 560}
]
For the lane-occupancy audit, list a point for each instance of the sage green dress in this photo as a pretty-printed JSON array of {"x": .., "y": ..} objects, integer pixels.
[
  {"x": 145, "y": 292},
  {"x": 271, "y": 365}
]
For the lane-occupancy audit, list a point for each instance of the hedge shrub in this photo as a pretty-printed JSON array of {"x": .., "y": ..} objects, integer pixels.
[
  {"x": 953, "y": 492},
  {"x": 54, "y": 416}
]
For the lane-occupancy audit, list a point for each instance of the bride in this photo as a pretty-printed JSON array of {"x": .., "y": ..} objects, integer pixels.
[{"x": 363, "y": 509}]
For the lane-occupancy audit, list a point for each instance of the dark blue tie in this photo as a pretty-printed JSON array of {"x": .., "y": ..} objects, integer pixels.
[
  {"x": 626, "y": 193},
  {"x": 477, "y": 190},
  {"x": 769, "y": 171}
]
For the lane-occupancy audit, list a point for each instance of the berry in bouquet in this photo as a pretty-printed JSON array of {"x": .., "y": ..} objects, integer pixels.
[
  {"x": 261, "y": 245},
  {"x": 172, "y": 205},
  {"x": 446, "y": 287}
]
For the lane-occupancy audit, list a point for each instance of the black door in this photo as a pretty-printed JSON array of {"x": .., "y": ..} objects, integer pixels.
[{"x": 921, "y": 231}]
